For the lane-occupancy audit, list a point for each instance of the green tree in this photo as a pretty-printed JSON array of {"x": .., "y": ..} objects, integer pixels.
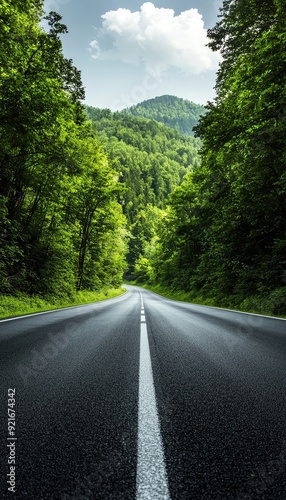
[
  {"x": 56, "y": 188},
  {"x": 226, "y": 224}
]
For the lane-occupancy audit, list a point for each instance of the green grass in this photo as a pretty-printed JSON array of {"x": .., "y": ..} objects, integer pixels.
[
  {"x": 273, "y": 305},
  {"x": 178, "y": 295},
  {"x": 24, "y": 304}
]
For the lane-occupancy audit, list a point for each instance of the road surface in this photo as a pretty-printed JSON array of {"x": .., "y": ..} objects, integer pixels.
[{"x": 141, "y": 397}]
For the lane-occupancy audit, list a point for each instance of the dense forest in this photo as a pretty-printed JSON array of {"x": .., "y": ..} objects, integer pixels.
[
  {"x": 88, "y": 196},
  {"x": 224, "y": 234},
  {"x": 150, "y": 160},
  {"x": 181, "y": 114}
]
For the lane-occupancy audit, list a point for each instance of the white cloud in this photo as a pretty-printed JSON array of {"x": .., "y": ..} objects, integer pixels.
[{"x": 156, "y": 38}]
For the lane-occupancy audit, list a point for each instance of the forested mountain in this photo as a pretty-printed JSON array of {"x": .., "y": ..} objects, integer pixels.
[
  {"x": 151, "y": 160},
  {"x": 225, "y": 233},
  {"x": 172, "y": 111}
]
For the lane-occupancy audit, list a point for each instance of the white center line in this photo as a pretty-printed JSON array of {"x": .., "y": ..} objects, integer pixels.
[{"x": 151, "y": 480}]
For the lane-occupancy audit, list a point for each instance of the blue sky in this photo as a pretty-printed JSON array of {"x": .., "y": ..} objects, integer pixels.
[{"x": 129, "y": 51}]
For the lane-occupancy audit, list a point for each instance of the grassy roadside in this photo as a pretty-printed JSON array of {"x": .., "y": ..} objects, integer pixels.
[
  {"x": 269, "y": 306},
  {"x": 26, "y": 304}
]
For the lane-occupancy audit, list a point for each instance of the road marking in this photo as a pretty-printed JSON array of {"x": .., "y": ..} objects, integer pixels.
[{"x": 151, "y": 480}]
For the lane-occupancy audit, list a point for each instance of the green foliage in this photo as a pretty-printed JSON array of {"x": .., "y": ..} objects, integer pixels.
[
  {"x": 224, "y": 235},
  {"x": 58, "y": 208},
  {"x": 172, "y": 111}
]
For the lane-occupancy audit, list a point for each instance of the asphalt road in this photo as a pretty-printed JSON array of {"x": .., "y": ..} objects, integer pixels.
[{"x": 140, "y": 397}]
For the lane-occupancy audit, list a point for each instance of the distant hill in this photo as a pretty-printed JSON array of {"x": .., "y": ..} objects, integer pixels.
[{"x": 172, "y": 111}]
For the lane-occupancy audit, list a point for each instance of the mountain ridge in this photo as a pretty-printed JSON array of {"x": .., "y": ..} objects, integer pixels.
[{"x": 174, "y": 112}]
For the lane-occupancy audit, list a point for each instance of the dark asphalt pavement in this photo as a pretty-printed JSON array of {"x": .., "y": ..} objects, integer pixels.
[{"x": 220, "y": 386}]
